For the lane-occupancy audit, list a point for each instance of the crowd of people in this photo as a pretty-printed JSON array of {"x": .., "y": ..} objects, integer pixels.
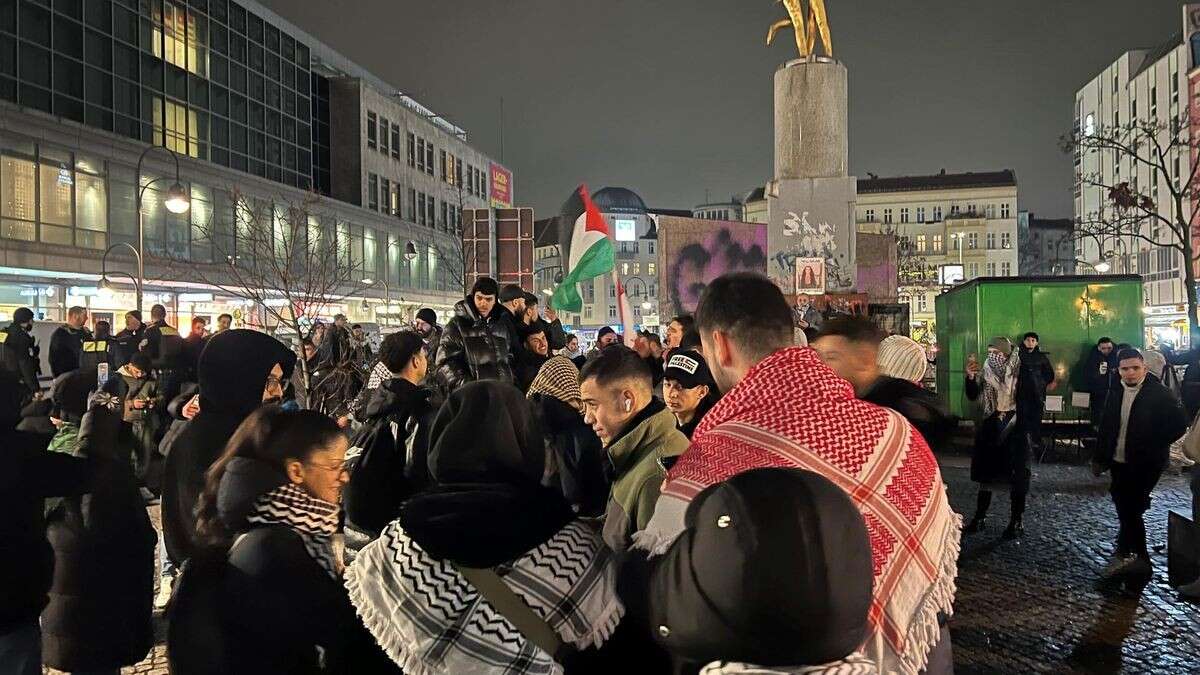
[{"x": 489, "y": 497}]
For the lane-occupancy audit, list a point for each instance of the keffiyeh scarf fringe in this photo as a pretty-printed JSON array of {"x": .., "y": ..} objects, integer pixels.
[
  {"x": 854, "y": 664},
  {"x": 431, "y": 621},
  {"x": 316, "y": 522}
]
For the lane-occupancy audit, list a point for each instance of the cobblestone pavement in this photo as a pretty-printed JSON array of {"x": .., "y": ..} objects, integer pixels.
[{"x": 1034, "y": 605}]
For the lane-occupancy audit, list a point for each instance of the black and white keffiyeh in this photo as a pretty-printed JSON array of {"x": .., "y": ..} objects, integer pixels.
[
  {"x": 315, "y": 520},
  {"x": 431, "y": 621},
  {"x": 854, "y": 664}
]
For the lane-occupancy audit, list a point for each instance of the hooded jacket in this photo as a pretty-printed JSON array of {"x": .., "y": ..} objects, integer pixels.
[
  {"x": 99, "y": 616},
  {"x": 233, "y": 372},
  {"x": 774, "y": 569},
  {"x": 66, "y": 348},
  {"x": 1034, "y": 376},
  {"x": 30, "y": 476},
  {"x": 474, "y": 348},
  {"x": 393, "y": 464},
  {"x": 635, "y": 462}
]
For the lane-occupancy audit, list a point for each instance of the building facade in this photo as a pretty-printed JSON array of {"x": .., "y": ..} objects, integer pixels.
[
  {"x": 949, "y": 228},
  {"x": 255, "y": 108},
  {"x": 730, "y": 210},
  {"x": 1140, "y": 85},
  {"x": 1046, "y": 246}
]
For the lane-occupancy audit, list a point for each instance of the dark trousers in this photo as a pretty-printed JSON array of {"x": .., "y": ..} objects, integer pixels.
[
  {"x": 1019, "y": 446},
  {"x": 1130, "y": 490}
]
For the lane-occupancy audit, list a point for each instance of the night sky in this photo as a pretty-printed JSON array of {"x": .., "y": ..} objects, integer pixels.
[{"x": 673, "y": 99}]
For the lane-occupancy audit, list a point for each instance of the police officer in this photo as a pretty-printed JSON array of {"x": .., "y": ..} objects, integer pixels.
[
  {"x": 165, "y": 347},
  {"x": 20, "y": 353}
]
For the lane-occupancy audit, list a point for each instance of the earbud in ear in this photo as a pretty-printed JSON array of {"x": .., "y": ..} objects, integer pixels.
[{"x": 628, "y": 405}]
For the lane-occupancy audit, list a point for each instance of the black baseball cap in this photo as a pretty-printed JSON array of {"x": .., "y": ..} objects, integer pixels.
[{"x": 688, "y": 368}]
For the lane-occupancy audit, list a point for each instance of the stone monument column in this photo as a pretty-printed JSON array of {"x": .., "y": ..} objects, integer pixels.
[{"x": 811, "y": 199}]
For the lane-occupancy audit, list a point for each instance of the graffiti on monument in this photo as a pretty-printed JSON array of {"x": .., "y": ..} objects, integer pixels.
[
  {"x": 693, "y": 257},
  {"x": 812, "y": 241}
]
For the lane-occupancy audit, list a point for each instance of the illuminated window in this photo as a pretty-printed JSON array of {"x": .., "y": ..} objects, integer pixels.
[
  {"x": 181, "y": 39},
  {"x": 369, "y": 252},
  {"x": 921, "y": 243},
  {"x": 650, "y": 269},
  {"x": 176, "y": 127},
  {"x": 18, "y": 192},
  {"x": 937, "y": 243}
]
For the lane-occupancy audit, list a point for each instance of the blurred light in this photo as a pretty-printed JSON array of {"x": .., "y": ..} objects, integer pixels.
[
  {"x": 177, "y": 199},
  {"x": 1103, "y": 267}
]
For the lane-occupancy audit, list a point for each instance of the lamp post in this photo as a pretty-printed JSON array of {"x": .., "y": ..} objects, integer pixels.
[
  {"x": 106, "y": 285},
  {"x": 177, "y": 201},
  {"x": 387, "y": 297}
]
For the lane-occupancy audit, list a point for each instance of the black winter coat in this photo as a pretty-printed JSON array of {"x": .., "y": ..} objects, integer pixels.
[
  {"x": 128, "y": 342},
  {"x": 99, "y": 616},
  {"x": 579, "y": 457},
  {"x": 30, "y": 475},
  {"x": 66, "y": 348},
  {"x": 475, "y": 348},
  {"x": 1156, "y": 420},
  {"x": 1035, "y": 375},
  {"x": 922, "y": 408},
  {"x": 20, "y": 355},
  {"x": 232, "y": 372},
  {"x": 392, "y": 466},
  {"x": 1100, "y": 374}
]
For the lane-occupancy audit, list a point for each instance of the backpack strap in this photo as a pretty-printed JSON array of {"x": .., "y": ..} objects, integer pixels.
[{"x": 531, "y": 626}]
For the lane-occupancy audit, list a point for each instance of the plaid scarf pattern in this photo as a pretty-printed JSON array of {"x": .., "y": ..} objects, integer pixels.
[
  {"x": 315, "y": 520},
  {"x": 792, "y": 411},
  {"x": 854, "y": 664},
  {"x": 558, "y": 377},
  {"x": 432, "y": 621}
]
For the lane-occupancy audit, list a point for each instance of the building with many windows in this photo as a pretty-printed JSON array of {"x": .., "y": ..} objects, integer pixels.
[
  {"x": 949, "y": 228},
  {"x": 1047, "y": 246},
  {"x": 1147, "y": 85},
  {"x": 257, "y": 110},
  {"x": 730, "y": 210}
]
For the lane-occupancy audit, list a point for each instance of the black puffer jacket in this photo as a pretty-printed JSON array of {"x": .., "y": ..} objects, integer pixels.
[
  {"x": 474, "y": 348},
  {"x": 99, "y": 616},
  {"x": 923, "y": 409},
  {"x": 281, "y": 605},
  {"x": 233, "y": 371},
  {"x": 393, "y": 466}
]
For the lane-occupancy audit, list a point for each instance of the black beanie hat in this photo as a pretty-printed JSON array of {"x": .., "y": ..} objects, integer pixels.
[
  {"x": 23, "y": 315},
  {"x": 485, "y": 285},
  {"x": 511, "y": 292},
  {"x": 604, "y": 331},
  {"x": 428, "y": 315},
  {"x": 774, "y": 569}
]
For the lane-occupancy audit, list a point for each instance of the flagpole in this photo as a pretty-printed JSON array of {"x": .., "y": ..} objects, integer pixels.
[{"x": 623, "y": 312}]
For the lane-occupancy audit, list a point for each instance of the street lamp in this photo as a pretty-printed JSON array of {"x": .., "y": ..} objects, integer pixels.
[
  {"x": 387, "y": 302},
  {"x": 106, "y": 285},
  {"x": 177, "y": 201},
  {"x": 1102, "y": 267}
]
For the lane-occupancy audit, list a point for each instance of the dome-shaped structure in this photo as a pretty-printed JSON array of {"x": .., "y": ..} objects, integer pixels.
[{"x": 618, "y": 200}]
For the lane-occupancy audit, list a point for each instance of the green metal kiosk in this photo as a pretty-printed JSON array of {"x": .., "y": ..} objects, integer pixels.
[{"x": 1069, "y": 314}]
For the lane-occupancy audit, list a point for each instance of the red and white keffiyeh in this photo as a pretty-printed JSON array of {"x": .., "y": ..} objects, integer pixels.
[{"x": 792, "y": 411}]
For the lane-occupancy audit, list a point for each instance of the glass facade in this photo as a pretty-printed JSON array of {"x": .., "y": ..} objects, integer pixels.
[{"x": 205, "y": 78}]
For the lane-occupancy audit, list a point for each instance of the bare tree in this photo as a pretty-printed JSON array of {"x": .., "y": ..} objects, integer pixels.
[
  {"x": 1160, "y": 216},
  {"x": 289, "y": 263}
]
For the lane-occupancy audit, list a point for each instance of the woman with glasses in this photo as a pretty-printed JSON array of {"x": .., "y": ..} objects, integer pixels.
[{"x": 271, "y": 508}]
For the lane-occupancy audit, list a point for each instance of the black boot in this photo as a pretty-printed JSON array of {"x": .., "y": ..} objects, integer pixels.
[
  {"x": 1015, "y": 529},
  {"x": 975, "y": 525},
  {"x": 982, "y": 501}
]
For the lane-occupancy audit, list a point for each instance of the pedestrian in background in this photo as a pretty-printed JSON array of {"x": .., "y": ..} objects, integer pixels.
[
  {"x": 689, "y": 390},
  {"x": 427, "y": 327},
  {"x": 1035, "y": 378},
  {"x": 1140, "y": 422},
  {"x": 20, "y": 352},
  {"x": 129, "y": 340},
  {"x": 677, "y": 328},
  {"x": 1002, "y": 456},
  {"x": 1100, "y": 376},
  {"x": 477, "y": 343},
  {"x": 604, "y": 337}
]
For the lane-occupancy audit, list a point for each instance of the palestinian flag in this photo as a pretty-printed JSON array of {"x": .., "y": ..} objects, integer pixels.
[{"x": 586, "y": 249}]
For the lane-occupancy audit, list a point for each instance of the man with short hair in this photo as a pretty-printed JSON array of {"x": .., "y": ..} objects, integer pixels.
[
  {"x": 535, "y": 351},
  {"x": 129, "y": 340},
  {"x": 850, "y": 346},
  {"x": 1100, "y": 375},
  {"x": 66, "y": 343},
  {"x": 334, "y": 346},
  {"x": 477, "y": 343},
  {"x": 224, "y": 323},
  {"x": 645, "y": 345},
  {"x": 360, "y": 346},
  {"x": 556, "y": 337},
  {"x": 1138, "y": 425},
  {"x": 783, "y": 407},
  {"x": 677, "y": 328},
  {"x": 167, "y": 351},
  {"x": 637, "y": 431}
]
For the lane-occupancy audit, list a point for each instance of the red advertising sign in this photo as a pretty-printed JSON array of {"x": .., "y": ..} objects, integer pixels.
[{"x": 501, "y": 183}]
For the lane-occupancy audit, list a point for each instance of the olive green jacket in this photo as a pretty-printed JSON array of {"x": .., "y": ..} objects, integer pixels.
[{"x": 638, "y": 473}]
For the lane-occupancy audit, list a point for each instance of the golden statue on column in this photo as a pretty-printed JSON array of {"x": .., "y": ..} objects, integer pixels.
[{"x": 806, "y": 26}]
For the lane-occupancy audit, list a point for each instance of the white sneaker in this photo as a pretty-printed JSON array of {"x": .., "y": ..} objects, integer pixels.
[
  {"x": 1191, "y": 590},
  {"x": 1118, "y": 565},
  {"x": 164, "y": 592}
]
